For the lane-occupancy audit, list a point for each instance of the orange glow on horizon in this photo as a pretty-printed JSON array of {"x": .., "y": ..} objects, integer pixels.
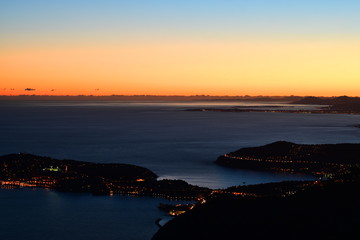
[{"x": 185, "y": 68}]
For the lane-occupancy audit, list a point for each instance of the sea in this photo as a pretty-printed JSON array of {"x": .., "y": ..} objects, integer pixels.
[{"x": 162, "y": 136}]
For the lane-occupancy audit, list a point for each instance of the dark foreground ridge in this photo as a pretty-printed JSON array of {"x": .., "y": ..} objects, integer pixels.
[
  {"x": 26, "y": 170},
  {"x": 324, "y": 160},
  {"x": 327, "y": 210},
  {"x": 321, "y": 209}
]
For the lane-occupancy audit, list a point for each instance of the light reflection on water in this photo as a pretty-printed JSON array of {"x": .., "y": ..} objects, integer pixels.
[
  {"x": 173, "y": 143},
  {"x": 38, "y": 214}
]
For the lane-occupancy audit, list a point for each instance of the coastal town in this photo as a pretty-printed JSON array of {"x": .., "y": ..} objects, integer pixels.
[
  {"x": 321, "y": 160},
  {"x": 26, "y": 170},
  {"x": 325, "y": 162}
]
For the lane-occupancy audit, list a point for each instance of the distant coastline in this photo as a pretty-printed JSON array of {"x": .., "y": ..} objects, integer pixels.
[
  {"x": 262, "y": 98},
  {"x": 335, "y": 105},
  {"x": 150, "y": 98},
  {"x": 324, "y": 105}
]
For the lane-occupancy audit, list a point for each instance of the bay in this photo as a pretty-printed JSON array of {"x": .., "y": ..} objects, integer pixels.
[{"x": 161, "y": 136}]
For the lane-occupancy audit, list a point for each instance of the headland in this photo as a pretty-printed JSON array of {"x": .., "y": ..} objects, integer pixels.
[
  {"x": 323, "y": 160},
  {"x": 27, "y": 170}
]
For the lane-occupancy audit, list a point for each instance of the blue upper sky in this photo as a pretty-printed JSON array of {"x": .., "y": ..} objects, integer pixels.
[
  {"x": 307, "y": 47},
  {"x": 184, "y": 19}
]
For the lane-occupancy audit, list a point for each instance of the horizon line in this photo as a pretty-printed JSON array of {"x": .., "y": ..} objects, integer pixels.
[{"x": 155, "y": 95}]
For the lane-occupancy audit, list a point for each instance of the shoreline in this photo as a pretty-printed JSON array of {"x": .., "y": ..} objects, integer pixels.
[{"x": 300, "y": 111}]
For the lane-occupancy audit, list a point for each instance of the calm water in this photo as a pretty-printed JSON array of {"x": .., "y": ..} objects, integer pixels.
[
  {"x": 43, "y": 214},
  {"x": 160, "y": 136}
]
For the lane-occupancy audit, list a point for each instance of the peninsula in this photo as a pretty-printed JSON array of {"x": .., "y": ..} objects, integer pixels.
[
  {"x": 324, "y": 160},
  {"x": 27, "y": 170}
]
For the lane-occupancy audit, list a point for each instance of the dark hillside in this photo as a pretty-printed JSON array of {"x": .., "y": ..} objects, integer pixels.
[{"x": 328, "y": 211}]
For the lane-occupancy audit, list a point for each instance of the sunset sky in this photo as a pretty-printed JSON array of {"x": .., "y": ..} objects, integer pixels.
[{"x": 187, "y": 47}]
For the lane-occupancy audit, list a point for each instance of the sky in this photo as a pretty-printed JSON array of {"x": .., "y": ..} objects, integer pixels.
[{"x": 187, "y": 47}]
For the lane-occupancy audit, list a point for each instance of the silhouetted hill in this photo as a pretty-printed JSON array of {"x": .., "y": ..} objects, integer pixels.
[
  {"x": 287, "y": 210},
  {"x": 328, "y": 101},
  {"x": 287, "y": 156},
  {"x": 326, "y": 211},
  {"x": 312, "y": 100},
  {"x": 24, "y": 166},
  {"x": 340, "y": 104}
]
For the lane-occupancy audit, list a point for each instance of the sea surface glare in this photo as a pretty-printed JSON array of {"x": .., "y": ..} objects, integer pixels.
[{"x": 161, "y": 136}]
